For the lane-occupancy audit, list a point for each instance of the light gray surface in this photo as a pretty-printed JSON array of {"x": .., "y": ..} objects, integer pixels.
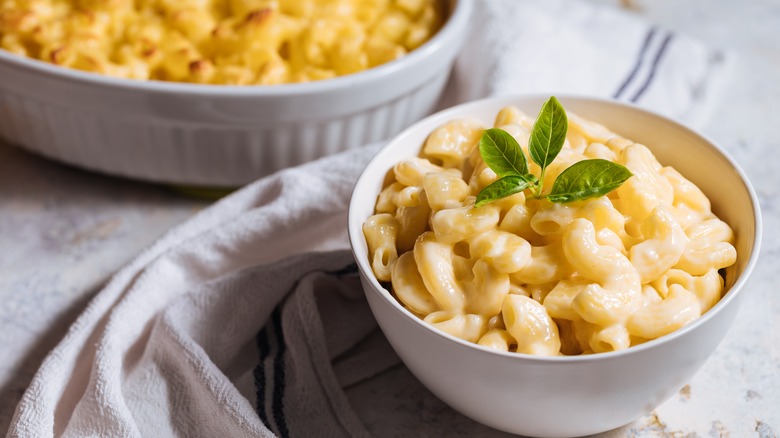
[{"x": 63, "y": 232}]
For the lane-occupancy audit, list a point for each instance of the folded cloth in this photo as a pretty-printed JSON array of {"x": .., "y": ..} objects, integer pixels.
[{"x": 248, "y": 320}]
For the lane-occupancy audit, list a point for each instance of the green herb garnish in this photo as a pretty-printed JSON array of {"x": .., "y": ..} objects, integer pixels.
[{"x": 583, "y": 180}]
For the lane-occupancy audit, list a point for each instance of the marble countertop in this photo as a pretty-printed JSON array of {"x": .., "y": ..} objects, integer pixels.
[{"x": 64, "y": 232}]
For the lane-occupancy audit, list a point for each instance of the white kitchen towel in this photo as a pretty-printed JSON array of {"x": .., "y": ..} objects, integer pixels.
[{"x": 248, "y": 320}]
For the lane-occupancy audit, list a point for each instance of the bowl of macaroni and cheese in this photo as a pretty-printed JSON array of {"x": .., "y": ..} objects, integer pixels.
[
  {"x": 547, "y": 318},
  {"x": 219, "y": 93}
]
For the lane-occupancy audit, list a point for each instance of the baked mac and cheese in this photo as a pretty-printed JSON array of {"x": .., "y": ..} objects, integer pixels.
[
  {"x": 237, "y": 42},
  {"x": 530, "y": 276}
]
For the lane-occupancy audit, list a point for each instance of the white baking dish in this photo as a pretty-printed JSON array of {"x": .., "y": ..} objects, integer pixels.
[{"x": 212, "y": 135}]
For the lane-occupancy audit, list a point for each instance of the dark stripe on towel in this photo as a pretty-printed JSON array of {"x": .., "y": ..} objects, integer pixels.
[
  {"x": 279, "y": 376},
  {"x": 638, "y": 64},
  {"x": 259, "y": 374},
  {"x": 654, "y": 67},
  {"x": 350, "y": 269}
]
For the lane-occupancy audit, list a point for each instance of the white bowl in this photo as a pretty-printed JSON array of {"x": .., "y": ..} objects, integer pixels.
[
  {"x": 212, "y": 135},
  {"x": 575, "y": 395}
]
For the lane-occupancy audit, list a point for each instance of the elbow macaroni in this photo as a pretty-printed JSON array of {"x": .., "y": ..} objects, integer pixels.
[
  {"x": 529, "y": 276},
  {"x": 235, "y": 42}
]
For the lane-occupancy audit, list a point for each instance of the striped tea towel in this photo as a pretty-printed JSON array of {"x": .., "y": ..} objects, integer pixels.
[{"x": 248, "y": 320}]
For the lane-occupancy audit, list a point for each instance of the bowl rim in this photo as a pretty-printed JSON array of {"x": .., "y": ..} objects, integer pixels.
[
  {"x": 455, "y": 23},
  {"x": 355, "y": 230}
]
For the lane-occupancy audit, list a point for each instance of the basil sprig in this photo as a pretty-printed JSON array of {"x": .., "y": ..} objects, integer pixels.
[
  {"x": 548, "y": 134},
  {"x": 583, "y": 180},
  {"x": 501, "y": 152},
  {"x": 588, "y": 179},
  {"x": 501, "y": 188}
]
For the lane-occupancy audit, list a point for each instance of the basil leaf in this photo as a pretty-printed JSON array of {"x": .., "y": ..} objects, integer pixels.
[
  {"x": 531, "y": 178},
  {"x": 506, "y": 186},
  {"x": 588, "y": 179},
  {"x": 548, "y": 133},
  {"x": 501, "y": 152}
]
